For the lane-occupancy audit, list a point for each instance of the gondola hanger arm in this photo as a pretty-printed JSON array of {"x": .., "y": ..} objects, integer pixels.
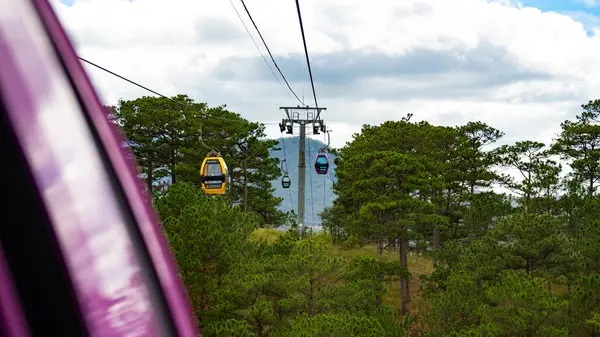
[
  {"x": 212, "y": 151},
  {"x": 328, "y": 142}
]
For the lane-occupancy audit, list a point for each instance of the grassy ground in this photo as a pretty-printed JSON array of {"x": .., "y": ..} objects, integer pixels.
[
  {"x": 417, "y": 266},
  {"x": 268, "y": 235}
]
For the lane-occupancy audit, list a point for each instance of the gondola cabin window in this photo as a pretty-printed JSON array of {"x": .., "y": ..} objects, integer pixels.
[
  {"x": 213, "y": 169},
  {"x": 286, "y": 181}
]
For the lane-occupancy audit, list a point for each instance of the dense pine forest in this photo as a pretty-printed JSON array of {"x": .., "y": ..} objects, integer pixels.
[{"x": 418, "y": 242}]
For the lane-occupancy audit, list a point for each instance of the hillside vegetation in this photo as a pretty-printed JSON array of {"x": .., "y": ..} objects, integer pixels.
[{"x": 482, "y": 263}]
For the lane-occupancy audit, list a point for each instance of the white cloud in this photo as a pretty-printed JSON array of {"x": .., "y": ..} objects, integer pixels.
[
  {"x": 590, "y": 3},
  {"x": 517, "y": 68}
]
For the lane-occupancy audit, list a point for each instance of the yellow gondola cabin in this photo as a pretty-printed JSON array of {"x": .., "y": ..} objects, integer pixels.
[{"x": 213, "y": 175}]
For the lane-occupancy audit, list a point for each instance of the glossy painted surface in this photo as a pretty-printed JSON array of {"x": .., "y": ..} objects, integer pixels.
[
  {"x": 12, "y": 323},
  {"x": 113, "y": 288},
  {"x": 75, "y": 189},
  {"x": 127, "y": 175}
]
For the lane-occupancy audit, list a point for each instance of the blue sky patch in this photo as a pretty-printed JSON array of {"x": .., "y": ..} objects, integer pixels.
[{"x": 564, "y": 6}]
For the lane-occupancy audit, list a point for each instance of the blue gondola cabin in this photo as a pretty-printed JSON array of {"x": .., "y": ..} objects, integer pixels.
[{"x": 322, "y": 163}]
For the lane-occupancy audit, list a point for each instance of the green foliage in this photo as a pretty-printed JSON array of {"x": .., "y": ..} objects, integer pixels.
[
  {"x": 519, "y": 265},
  {"x": 240, "y": 286},
  {"x": 366, "y": 281},
  {"x": 585, "y": 305},
  {"x": 159, "y": 132},
  {"x": 331, "y": 222},
  {"x": 229, "y": 328},
  {"x": 473, "y": 163},
  {"x": 169, "y": 141},
  {"x": 505, "y": 265},
  {"x": 579, "y": 142},
  {"x": 521, "y": 306},
  {"x": 531, "y": 242},
  {"x": 384, "y": 323},
  {"x": 207, "y": 236},
  {"x": 540, "y": 174}
]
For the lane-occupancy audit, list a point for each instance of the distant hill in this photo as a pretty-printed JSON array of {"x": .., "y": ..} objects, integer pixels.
[{"x": 320, "y": 195}]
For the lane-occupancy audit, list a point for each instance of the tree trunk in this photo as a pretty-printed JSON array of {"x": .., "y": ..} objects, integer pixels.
[
  {"x": 245, "y": 185},
  {"x": 437, "y": 237},
  {"x": 173, "y": 164},
  {"x": 173, "y": 175},
  {"x": 404, "y": 286},
  {"x": 230, "y": 191},
  {"x": 149, "y": 178}
]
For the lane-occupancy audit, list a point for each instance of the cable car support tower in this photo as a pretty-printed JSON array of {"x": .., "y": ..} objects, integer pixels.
[{"x": 302, "y": 116}]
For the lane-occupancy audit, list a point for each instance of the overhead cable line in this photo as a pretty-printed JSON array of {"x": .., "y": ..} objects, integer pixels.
[
  {"x": 316, "y": 106},
  {"x": 161, "y": 95},
  {"x": 258, "y": 48},
  {"x": 269, "y": 51},
  {"x": 312, "y": 83}
]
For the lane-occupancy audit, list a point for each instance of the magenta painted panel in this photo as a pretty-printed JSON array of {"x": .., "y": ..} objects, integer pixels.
[
  {"x": 89, "y": 222},
  {"x": 127, "y": 173},
  {"x": 12, "y": 322}
]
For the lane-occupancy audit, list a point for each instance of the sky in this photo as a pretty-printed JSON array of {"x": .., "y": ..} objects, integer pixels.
[{"x": 520, "y": 66}]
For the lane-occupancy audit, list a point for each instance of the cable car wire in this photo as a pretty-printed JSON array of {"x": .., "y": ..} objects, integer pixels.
[
  {"x": 312, "y": 83},
  {"x": 128, "y": 80},
  {"x": 316, "y": 105},
  {"x": 258, "y": 48},
  {"x": 163, "y": 96},
  {"x": 264, "y": 58},
  {"x": 179, "y": 103},
  {"x": 269, "y": 51}
]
